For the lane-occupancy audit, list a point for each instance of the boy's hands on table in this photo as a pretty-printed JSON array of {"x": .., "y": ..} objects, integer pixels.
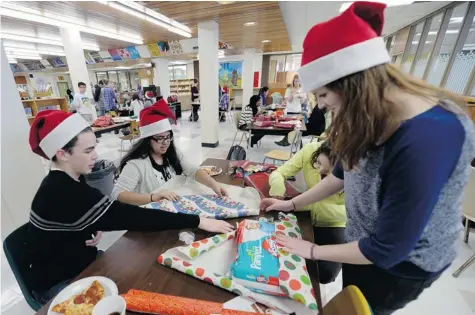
[
  {"x": 96, "y": 240},
  {"x": 296, "y": 246}
]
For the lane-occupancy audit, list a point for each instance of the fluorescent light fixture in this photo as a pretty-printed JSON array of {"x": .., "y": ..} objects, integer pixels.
[
  {"x": 266, "y": 41},
  {"x": 24, "y": 57},
  {"x": 389, "y": 3},
  {"x": 57, "y": 42},
  {"x": 250, "y": 23},
  {"x": 48, "y": 18},
  {"x": 22, "y": 52},
  {"x": 146, "y": 14},
  {"x": 12, "y": 61},
  {"x": 33, "y": 51}
]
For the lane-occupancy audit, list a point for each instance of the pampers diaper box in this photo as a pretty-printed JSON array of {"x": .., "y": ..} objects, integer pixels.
[{"x": 257, "y": 264}]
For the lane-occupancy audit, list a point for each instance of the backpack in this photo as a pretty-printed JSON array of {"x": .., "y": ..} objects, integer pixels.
[{"x": 236, "y": 153}]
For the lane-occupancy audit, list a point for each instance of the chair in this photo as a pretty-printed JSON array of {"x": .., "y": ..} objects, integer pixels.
[
  {"x": 295, "y": 138},
  {"x": 134, "y": 135},
  {"x": 16, "y": 252},
  {"x": 469, "y": 214},
  {"x": 350, "y": 301},
  {"x": 237, "y": 118},
  {"x": 322, "y": 137}
]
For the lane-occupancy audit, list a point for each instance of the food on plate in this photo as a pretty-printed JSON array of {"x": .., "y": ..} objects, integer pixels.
[
  {"x": 82, "y": 303},
  {"x": 212, "y": 170}
]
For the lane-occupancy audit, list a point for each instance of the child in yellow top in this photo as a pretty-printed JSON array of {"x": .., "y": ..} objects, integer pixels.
[{"x": 329, "y": 215}]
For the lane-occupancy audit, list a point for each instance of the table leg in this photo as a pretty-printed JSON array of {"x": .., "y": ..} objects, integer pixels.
[{"x": 249, "y": 141}]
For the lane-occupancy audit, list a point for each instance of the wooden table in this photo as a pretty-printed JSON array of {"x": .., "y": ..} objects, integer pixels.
[
  {"x": 270, "y": 131},
  {"x": 98, "y": 131},
  {"x": 132, "y": 261}
]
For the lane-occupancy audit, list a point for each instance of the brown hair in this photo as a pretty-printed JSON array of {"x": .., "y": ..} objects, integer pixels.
[
  {"x": 367, "y": 112},
  {"x": 324, "y": 149},
  {"x": 293, "y": 80}
]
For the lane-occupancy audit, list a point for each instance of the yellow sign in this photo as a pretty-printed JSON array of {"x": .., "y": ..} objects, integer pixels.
[{"x": 153, "y": 49}]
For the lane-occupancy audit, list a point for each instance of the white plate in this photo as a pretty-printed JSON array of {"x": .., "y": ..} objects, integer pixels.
[
  {"x": 110, "y": 288},
  {"x": 219, "y": 170}
]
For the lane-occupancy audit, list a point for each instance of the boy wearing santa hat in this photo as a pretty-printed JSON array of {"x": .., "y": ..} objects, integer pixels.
[
  {"x": 404, "y": 148},
  {"x": 154, "y": 160},
  {"x": 66, "y": 210}
]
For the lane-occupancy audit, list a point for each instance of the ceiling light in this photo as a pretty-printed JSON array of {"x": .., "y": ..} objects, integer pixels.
[
  {"x": 21, "y": 51},
  {"x": 389, "y": 3},
  {"x": 12, "y": 61},
  {"x": 266, "y": 41},
  {"x": 24, "y": 57},
  {"x": 33, "y": 51},
  {"x": 149, "y": 15},
  {"x": 30, "y": 39},
  {"x": 33, "y": 15},
  {"x": 250, "y": 23},
  {"x": 225, "y": 2}
]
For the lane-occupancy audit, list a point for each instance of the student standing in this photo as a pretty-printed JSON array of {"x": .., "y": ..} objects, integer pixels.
[
  {"x": 154, "y": 160},
  {"x": 404, "y": 149},
  {"x": 66, "y": 211},
  {"x": 82, "y": 103},
  {"x": 316, "y": 162}
]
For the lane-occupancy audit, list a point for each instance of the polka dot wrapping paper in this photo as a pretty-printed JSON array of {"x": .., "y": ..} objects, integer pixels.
[
  {"x": 212, "y": 260},
  {"x": 197, "y": 248}
]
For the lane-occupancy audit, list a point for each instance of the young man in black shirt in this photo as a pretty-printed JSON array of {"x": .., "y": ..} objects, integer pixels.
[{"x": 66, "y": 211}]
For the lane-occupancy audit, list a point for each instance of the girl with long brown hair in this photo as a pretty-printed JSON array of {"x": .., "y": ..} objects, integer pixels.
[{"x": 404, "y": 150}]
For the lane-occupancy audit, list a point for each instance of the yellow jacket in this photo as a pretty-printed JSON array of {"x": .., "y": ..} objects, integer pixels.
[{"x": 330, "y": 212}]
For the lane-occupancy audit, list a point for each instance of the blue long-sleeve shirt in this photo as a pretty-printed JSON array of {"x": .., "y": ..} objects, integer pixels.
[{"x": 404, "y": 202}]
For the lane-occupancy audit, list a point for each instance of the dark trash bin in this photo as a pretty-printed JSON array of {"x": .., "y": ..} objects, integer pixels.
[{"x": 102, "y": 176}]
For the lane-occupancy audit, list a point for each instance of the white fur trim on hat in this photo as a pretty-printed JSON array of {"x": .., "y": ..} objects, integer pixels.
[
  {"x": 62, "y": 134},
  {"x": 343, "y": 62},
  {"x": 155, "y": 128}
]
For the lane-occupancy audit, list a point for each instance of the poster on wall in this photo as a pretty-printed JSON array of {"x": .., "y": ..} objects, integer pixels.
[
  {"x": 57, "y": 62},
  {"x": 133, "y": 52},
  {"x": 15, "y": 67},
  {"x": 230, "y": 74},
  {"x": 106, "y": 57},
  {"x": 153, "y": 49},
  {"x": 33, "y": 65},
  {"x": 124, "y": 53},
  {"x": 175, "y": 47},
  {"x": 114, "y": 54},
  {"x": 88, "y": 58},
  {"x": 96, "y": 57},
  {"x": 164, "y": 48}
]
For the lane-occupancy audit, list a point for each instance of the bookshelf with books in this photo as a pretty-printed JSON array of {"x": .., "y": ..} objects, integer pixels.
[
  {"x": 33, "y": 106},
  {"x": 182, "y": 89}
]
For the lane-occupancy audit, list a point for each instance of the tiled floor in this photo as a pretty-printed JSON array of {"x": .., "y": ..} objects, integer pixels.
[{"x": 447, "y": 296}]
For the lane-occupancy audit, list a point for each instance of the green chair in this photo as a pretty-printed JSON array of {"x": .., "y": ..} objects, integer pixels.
[{"x": 15, "y": 250}]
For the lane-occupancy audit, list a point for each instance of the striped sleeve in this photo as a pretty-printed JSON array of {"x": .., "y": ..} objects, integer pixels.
[{"x": 246, "y": 116}]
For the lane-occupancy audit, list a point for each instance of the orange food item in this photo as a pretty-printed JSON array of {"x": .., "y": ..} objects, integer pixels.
[{"x": 155, "y": 303}]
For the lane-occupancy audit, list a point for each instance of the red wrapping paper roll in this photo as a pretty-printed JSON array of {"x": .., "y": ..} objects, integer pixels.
[{"x": 155, "y": 303}]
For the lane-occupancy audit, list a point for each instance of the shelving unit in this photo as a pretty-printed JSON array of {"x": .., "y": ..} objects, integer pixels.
[
  {"x": 38, "y": 105},
  {"x": 180, "y": 86}
]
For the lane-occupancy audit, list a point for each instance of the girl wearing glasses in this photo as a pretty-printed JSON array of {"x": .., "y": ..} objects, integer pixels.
[{"x": 154, "y": 160}]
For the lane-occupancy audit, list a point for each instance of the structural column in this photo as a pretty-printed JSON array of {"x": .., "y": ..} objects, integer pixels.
[
  {"x": 161, "y": 76},
  {"x": 208, "y": 82},
  {"x": 248, "y": 75},
  {"x": 76, "y": 62},
  {"x": 21, "y": 169}
]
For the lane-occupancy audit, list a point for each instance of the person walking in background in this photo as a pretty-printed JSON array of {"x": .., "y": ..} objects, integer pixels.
[
  {"x": 294, "y": 99},
  {"x": 316, "y": 162},
  {"x": 110, "y": 102},
  {"x": 149, "y": 99},
  {"x": 99, "y": 98},
  {"x": 404, "y": 149},
  {"x": 195, "y": 93},
  {"x": 136, "y": 105},
  {"x": 82, "y": 104},
  {"x": 223, "y": 104}
]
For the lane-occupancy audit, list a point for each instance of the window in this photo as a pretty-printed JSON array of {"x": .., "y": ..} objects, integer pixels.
[
  {"x": 101, "y": 76},
  {"x": 440, "y": 63},
  {"x": 426, "y": 51},
  {"x": 406, "y": 65},
  {"x": 279, "y": 65},
  {"x": 124, "y": 81},
  {"x": 177, "y": 72},
  {"x": 463, "y": 64}
]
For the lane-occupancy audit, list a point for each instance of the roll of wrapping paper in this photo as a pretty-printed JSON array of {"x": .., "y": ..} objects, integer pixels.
[{"x": 155, "y": 303}]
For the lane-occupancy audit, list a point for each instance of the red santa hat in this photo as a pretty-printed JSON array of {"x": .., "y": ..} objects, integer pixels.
[
  {"x": 154, "y": 119},
  {"x": 344, "y": 45},
  {"x": 52, "y": 130},
  {"x": 149, "y": 95}
]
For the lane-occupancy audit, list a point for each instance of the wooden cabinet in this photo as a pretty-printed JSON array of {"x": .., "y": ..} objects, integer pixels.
[
  {"x": 471, "y": 111},
  {"x": 32, "y": 107}
]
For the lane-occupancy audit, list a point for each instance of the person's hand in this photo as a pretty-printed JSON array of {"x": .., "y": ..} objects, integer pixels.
[
  {"x": 95, "y": 241},
  {"x": 296, "y": 246},
  {"x": 271, "y": 204},
  {"x": 165, "y": 194},
  {"x": 217, "y": 226},
  {"x": 278, "y": 197},
  {"x": 220, "y": 191}
]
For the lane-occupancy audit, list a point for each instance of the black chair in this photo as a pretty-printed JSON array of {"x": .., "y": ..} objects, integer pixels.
[{"x": 16, "y": 252}]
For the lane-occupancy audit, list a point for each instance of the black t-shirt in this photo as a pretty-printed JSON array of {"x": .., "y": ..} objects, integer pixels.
[
  {"x": 194, "y": 90},
  {"x": 65, "y": 213}
]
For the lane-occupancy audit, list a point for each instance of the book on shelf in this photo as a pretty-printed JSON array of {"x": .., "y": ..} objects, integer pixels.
[
  {"x": 28, "y": 112},
  {"x": 53, "y": 107}
]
